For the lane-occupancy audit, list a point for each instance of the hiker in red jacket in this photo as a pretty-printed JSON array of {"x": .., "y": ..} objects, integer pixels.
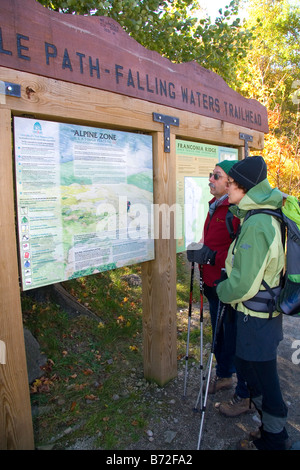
[{"x": 217, "y": 237}]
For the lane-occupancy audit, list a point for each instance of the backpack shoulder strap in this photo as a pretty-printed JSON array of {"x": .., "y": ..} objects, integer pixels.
[
  {"x": 275, "y": 213},
  {"x": 229, "y": 224}
]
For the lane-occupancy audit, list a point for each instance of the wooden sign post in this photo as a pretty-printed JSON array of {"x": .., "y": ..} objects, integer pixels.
[{"x": 88, "y": 71}]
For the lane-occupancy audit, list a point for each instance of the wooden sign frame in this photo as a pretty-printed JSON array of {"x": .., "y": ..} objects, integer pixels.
[{"x": 45, "y": 97}]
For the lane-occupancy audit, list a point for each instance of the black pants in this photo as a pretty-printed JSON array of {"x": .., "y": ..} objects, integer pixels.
[{"x": 264, "y": 387}]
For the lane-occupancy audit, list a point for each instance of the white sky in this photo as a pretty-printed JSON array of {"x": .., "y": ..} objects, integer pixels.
[{"x": 213, "y": 6}]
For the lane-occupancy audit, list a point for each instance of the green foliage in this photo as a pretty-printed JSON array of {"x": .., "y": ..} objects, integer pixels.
[
  {"x": 223, "y": 44},
  {"x": 273, "y": 62},
  {"x": 88, "y": 363},
  {"x": 176, "y": 29},
  {"x": 269, "y": 74}
]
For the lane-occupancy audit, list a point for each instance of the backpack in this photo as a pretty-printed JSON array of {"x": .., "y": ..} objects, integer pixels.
[{"x": 286, "y": 297}]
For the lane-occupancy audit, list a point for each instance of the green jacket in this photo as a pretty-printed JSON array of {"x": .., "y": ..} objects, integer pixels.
[{"x": 257, "y": 254}]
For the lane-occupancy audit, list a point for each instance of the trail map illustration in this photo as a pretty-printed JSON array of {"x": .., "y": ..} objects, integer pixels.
[
  {"x": 194, "y": 162},
  {"x": 84, "y": 199}
]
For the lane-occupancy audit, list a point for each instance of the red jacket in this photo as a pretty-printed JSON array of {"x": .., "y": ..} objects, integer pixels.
[{"x": 217, "y": 238}]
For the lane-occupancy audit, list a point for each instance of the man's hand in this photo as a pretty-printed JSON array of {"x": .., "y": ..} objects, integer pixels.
[{"x": 201, "y": 254}]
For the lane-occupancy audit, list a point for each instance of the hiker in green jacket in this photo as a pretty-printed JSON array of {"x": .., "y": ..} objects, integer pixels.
[{"x": 256, "y": 255}]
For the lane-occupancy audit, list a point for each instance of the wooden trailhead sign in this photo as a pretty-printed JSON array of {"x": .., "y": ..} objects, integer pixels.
[
  {"x": 36, "y": 40},
  {"x": 71, "y": 70}
]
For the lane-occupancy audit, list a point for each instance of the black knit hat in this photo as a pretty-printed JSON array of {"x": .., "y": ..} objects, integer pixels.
[{"x": 249, "y": 172}]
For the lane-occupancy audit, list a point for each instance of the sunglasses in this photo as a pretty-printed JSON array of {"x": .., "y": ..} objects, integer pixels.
[{"x": 215, "y": 175}]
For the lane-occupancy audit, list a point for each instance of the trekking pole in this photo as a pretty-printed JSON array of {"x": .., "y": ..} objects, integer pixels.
[
  {"x": 202, "y": 382},
  {"x": 220, "y": 314},
  {"x": 202, "y": 377},
  {"x": 201, "y": 331},
  {"x": 189, "y": 327}
]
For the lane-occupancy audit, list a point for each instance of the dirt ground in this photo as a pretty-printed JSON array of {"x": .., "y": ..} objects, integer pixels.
[{"x": 176, "y": 424}]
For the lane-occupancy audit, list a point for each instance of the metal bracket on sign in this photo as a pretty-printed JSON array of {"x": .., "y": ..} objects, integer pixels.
[
  {"x": 167, "y": 122},
  {"x": 247, "y": 138},
  {"x": 10, "y": 89}
]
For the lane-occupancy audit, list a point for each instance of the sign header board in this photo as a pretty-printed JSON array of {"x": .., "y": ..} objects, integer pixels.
[{"x": 97, "y": 52}]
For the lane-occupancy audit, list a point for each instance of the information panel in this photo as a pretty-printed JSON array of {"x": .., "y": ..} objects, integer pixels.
[
  {"x": 194, "y": 162},
  {"x": 84, "y": 200}
]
